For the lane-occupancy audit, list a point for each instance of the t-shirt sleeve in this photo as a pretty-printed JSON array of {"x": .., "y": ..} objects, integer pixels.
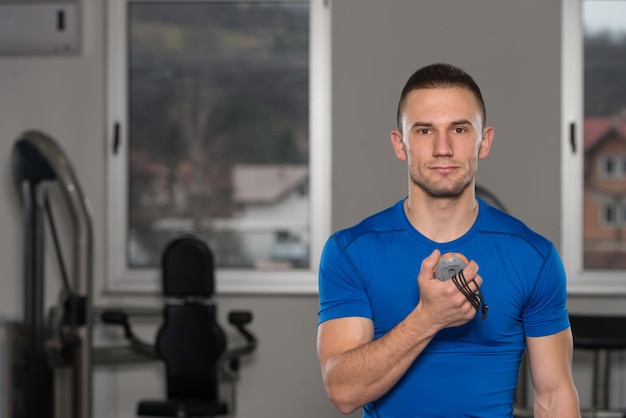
[
  {"x": 546, "y": 312},
  {"x": 341, "y": 289}
]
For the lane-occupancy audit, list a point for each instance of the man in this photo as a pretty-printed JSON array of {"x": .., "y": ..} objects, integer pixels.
[{"x": 399, "y": 342}]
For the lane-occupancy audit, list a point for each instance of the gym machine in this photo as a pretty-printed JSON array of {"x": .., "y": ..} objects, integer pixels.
[{"x": 42, "y": 343}]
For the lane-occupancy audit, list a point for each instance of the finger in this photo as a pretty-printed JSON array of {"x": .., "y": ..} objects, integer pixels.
[
  {"x": 473, "y": 286},
  {"x": 475, "y": 283},
  {"x": 467, "y": 288},
  {"x": 471, "y": 274}
]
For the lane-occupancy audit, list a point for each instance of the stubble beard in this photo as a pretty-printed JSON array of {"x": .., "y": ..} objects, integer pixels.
[{"x": 435, "y": 189}]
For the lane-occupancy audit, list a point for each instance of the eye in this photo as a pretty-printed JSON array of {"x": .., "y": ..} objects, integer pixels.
[
  {"x": 423, "y": 131},
  {"x": 460, "y": 130}
]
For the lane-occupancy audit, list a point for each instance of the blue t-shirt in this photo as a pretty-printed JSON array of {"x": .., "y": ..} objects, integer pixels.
[{"x": 370, "y": 270}]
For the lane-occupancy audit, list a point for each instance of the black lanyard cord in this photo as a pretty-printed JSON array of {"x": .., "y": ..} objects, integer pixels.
[{"x": 476, "y": 299}]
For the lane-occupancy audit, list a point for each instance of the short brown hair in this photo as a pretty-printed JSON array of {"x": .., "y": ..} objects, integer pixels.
[{"x": 440, "y": 76}]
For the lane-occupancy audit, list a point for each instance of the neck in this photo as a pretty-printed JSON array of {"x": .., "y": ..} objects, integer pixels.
[{"x": 442, "y": 219}]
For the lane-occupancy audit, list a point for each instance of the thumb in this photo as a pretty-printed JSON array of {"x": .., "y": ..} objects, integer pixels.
[{"x": 430, "y": 263}]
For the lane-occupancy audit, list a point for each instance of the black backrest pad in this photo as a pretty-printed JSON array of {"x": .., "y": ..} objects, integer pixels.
[{"x": 187, "y": 268}]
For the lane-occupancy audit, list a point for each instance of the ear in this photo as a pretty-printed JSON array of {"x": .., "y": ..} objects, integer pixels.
[
  {"x": 487, "y": 140},
  {"x": 398, "y": 145}
]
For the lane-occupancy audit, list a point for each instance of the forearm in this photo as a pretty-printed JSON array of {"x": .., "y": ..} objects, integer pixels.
[
  {"x": 550, "y": 360},
  {"x": 561, "y": 404},
  {"x": 365, "y": 373}
]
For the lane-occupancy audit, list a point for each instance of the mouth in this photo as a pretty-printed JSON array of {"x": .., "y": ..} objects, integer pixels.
[{"x": 444, "y": 169}]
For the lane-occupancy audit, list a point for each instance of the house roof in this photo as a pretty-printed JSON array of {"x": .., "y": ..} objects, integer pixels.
[
  {"x": 597, "y": 127},
  {"x": 266, "y": 183}
]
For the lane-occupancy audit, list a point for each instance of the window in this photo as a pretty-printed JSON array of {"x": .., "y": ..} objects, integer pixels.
[
  {"x": 614, "y": 166},
  {"x": 609, "y": 218},
  {"x": 594, "y": 145},
  {"x": 609, "y": 166},
  {"x": 219, "y": 125}
]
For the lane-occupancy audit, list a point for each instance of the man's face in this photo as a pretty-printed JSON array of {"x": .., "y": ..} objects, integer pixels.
[{"x": 442, "y": 139}]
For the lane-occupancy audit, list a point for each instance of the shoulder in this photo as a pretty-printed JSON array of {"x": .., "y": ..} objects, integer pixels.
[
  {"x": 507, "y": 227},
  {"x": 380, "y": 223}
]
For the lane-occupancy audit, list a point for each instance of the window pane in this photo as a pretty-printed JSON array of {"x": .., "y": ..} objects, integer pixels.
[
  {"x": 218, "y": 130},
  {"x": 609, "y": 166},
  {"x": 605, "y": 133},
  {"x": 609, "y": 214}
]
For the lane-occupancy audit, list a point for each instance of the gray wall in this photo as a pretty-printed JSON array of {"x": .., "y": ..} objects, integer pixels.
[{"x": 512, "y": 49}]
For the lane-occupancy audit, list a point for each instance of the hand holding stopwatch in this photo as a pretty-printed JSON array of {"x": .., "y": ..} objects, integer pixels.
[{"x": 450, "y": 267}]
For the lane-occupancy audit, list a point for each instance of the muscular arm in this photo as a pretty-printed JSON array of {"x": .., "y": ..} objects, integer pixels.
[
  {"x": 550, "y": 361},
  {"x": 358, "y": 369}
]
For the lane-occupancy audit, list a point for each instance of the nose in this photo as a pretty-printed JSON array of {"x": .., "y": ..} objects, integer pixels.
[{"x": 442, "y": 145}]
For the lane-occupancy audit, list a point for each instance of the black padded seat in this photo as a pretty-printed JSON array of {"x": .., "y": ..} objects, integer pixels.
[
  {"x": 181, "y": 408},
  {"x": 601, "y": 334}
]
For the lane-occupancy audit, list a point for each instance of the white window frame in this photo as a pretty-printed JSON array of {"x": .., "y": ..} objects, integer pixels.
[
  {"x": 580, "y": 281},
  {"x": 120, "y": 278}
]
